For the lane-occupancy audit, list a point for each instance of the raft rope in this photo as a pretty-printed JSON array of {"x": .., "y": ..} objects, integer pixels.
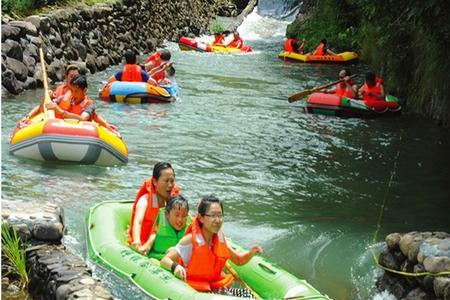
[{"x": 380, "y": 217}]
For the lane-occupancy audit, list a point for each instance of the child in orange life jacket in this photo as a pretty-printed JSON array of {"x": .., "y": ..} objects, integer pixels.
[
  {"x": 130, "y": 72},
  {"x": 346, "y": 88},
  {"x": 372, "y": 88},
  {"x": 204, "y": 250},
  {"x": 158, "y": 58},
  {"x": 79, "y": 106},
  {"x": 169, "y": 228}
]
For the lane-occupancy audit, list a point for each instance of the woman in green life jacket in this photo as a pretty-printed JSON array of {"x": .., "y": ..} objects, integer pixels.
[{"x": 169, "y": 227}]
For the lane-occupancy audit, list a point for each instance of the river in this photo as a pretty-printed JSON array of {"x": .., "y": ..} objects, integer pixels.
[{"x": 308, "y": 188}]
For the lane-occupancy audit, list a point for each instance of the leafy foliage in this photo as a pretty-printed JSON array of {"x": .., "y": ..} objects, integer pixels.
[
  {"x": 14, "y": 252},
  {"x": 217, "y": 27}
]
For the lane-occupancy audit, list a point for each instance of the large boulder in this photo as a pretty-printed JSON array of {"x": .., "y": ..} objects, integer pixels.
[
  {"x": 10, "y": 83},
  {"x": 90, "y": 63},
  {"x": 10, "y": 32},
  {"x": 35, "y": 20},
  {"x": 18, "y": 67},
  {"x": 12, "y": 49},
  {"x": 30, "y": 63},
  {"x": 25, "y": 27}
]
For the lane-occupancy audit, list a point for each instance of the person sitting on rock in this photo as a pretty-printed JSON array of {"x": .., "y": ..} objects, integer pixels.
[
  {"x": 237, "y": 41},
  {"x": 169, "y": 228},
  {"x": 77, "y": 105},
  {"x": 219, "y": 39},
  {"x": 70, "y": 73},
  {"x": 130, "y": 72}
]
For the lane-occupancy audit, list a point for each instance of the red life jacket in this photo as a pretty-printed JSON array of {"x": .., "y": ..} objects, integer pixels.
[
  {"x": 320, "y": 49},
  {"x": 151, "y": 212},
  {"x": 375, "y": 89},
  {"x": 204, "y": 270},
  {"x": 219, "y": 40},
  {"x": 78, "y": 108},
  {"x": 236, "y": 43},
  {"x": 341, "y": 89},
  {"x": 288, "y": 45},
  {"x": 131, "y": 73},
  {"x": 154, "y": 57}
]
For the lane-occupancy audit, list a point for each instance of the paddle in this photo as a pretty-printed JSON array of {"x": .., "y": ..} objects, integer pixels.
[
  {"x": 49, "y": 114},
  {"x": 305, "y": 93},
  {"x": 239, "y": 279}
]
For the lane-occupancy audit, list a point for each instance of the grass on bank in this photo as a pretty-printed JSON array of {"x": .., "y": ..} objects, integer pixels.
[
  {"x": 15, "y": 253},
  {"x": 24, "y": 8}
]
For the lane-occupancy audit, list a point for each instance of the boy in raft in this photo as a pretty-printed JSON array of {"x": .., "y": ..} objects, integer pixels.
[
  {"x": 76, "y": 104},
  {"x": 294, "y": 46},
  {"x": 70, "y": 73},
  {"x": 237, "y": 41},
  {"x": 372, "y": 88},
  {"x": 153, "y": 194},
  {"x": 169, "y": 228},
  {"x": 157, "y": 59},
  {"x": 200, "y": 256},
  {"x": 322, "y": 49},
  {"x": 130, "y": 72},
  {"x": 347, "y": 87}
]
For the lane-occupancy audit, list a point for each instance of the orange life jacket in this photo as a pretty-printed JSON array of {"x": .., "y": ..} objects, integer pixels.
[
  {"x": 154, "y": 57},
  {"x": 60, "y": 90},
  {"x": 64, "y": 103},
  {"x": 375, "y": 89},
  {"x": 204, "y": 270},
  {"x": 158, "y": 76},
  {"x": 151, "y": 212},
  {"x": 236, "y": 43},
  {"x": 131, "y": 73},
  {"x": 78, "y": 108},
  {"x": 220, "y": 39},
  {"x": 320, "y": 49},
  {"x": 288, "y": 45},
  {"x": 341, "y": 89}
]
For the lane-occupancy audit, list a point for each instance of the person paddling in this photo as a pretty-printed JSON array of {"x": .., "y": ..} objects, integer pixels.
[
  {"x": 322, "y": 49},
  {"x": 153, "y": 194},
  {"x": 204, "y": 251},
  {"x": 347, "y": 87},
  {"x": 219, "y": 39}
]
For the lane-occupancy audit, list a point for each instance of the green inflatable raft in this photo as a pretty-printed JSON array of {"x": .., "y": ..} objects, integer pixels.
[{"x": 106, "y": 225}]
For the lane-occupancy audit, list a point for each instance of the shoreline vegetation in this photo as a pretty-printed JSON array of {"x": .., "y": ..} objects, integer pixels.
[
  {"x": 405, "y": 42},
  {"x": 24, "y": 8}
]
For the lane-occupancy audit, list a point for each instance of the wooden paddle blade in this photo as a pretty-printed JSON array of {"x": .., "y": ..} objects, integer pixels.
[{"x": 300, "y": 95}]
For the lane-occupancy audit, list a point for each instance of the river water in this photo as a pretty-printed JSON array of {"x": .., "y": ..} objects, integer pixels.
[{"x": 308, "y": 188}]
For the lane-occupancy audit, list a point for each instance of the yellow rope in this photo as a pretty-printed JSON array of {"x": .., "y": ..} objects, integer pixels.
[{"x": 380, "y": 217}]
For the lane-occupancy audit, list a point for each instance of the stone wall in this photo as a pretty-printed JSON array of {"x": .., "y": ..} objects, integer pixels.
[
  {"x": 96, "y": 37},
  {"x": 54, "y": 272},
  {"x": 416, "y": 252}
]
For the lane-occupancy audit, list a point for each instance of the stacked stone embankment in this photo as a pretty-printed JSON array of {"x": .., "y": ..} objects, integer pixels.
[
  {"x": 417, "y": 252},
  {"x": 96, "y": 37},
  {"x": 54, "y": 272}
]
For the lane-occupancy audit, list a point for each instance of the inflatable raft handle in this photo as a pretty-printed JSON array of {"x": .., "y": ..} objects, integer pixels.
[{"x": 266, "y": 268}]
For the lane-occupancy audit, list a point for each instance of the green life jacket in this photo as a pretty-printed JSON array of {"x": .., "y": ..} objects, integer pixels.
[{"x": 166, "y": 236}]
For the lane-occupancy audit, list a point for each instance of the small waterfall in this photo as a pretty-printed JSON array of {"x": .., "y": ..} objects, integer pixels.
[
  {"x": 258, "y": 27},
  {"x": 284, "y": 10}
]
